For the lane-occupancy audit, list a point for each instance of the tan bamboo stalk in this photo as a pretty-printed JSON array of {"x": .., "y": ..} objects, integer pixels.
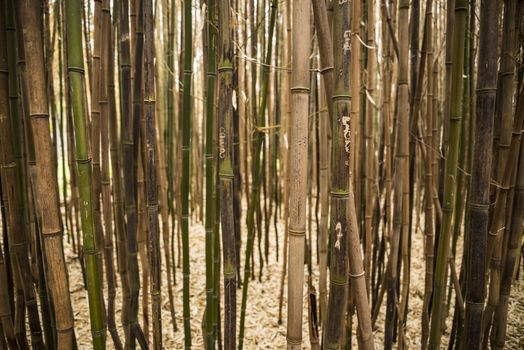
[
  {"x": 46, "y": 179},
  {"x": 325, "y": 49},
  {"x": 286, "y": 98},
  {"x": 324, "y": 203},
  {"x": 356, "y": 84},
  {"x": 326, "y": 92},
  {"x": 298, "y": 149},
  {"x": 369, "y": 140}
]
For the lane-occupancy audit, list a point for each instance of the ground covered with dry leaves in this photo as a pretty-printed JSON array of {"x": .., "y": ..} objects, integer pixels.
[{"x": 262, "y": 329}]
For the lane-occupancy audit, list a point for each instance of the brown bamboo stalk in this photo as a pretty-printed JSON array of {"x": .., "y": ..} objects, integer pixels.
[{"x": 46, "y": 179}]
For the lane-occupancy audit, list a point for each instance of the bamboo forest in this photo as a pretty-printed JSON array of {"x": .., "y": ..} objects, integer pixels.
[{"x": 261, "y": 174}]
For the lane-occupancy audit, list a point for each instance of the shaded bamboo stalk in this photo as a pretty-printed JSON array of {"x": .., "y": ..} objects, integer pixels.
[
  {"x": 326, "y": 110},
  {"x": 401, "y": 159},
  {"x": 450, "y": 188},
  {"x": 209, "y": 169},
  {"x": 107, "y": 210},
  {"x": 118, "y": 200},
  {"x": 186, "y": 150},
  {"x": 345, "y": 243},
  {"x": 12, "y": 173},
  {"x": 150, "y": 162},
  {"x": 481, "y": 170},
  {"x": 225, "y": 171},
  {"x": 427, "y": 51}
]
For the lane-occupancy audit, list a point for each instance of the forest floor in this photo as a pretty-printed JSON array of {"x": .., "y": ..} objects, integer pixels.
[{"x": 262, "y": 328}]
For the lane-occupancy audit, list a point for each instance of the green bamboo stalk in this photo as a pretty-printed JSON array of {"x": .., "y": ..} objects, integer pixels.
[
  {"x": 76, "y": 76},
  {"x": 255, "y": 190},
  {"x": 450, "y": 186},
  {"x": 186, "y": 166}
]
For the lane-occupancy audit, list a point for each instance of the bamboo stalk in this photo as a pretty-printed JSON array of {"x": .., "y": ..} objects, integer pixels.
[
  {"x": 13, "y": 173},
  {"x": 450, "y": 188},
  {"x": 298, "y": 165},
  {"x": 225, "y": 171},
  {"x": 481, "y": 170},
  {"x": 76, "y": 71},
  {"x": 209, "y": 164},
  {"x": 150, "y": 161},
  {"x": 344, "y": 227},
  {"x": 186, "y": 150},
  {"x": 255, "y": 190},
  {"x": 46, "y": 180}
]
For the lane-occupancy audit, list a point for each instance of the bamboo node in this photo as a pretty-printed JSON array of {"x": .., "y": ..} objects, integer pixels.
[
  {"x": 479, "y": 206},
  {"x": 39, "y": 116},
  {"x": 326, "y": 69},
  {"x": 355, "y": 276},
  {"x": 64, "y": 330},
  {"x": 266, "y": 129},
  {"x": 56, "y": 233},
  {"x": 338, "y": 282},
  {"x": 75, "y": 70},
  {"x": 84, "y": 161},
  {"x": 298, "y": 233},
  {"x": 294, "y": 341}
]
